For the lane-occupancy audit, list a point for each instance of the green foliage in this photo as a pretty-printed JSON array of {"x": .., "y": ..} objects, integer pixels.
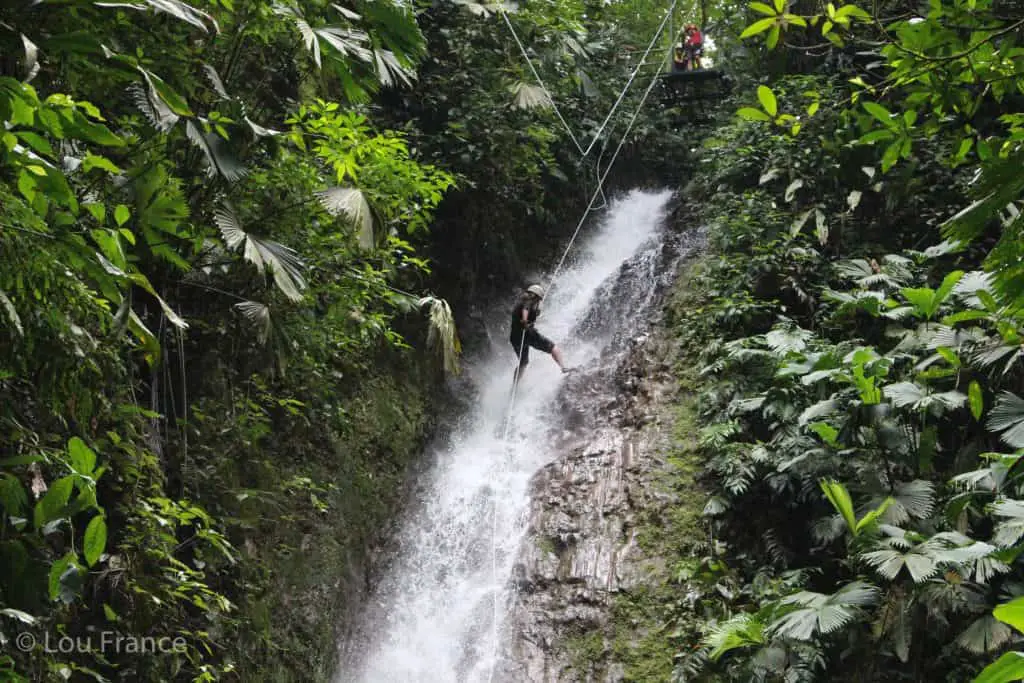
[
  {"x": 223, "y": 226},
  {"x": 144, "y": 206},
  {"x": 859, "y": 396}
]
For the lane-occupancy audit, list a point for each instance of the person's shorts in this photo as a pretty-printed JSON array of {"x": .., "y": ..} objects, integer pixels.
[{"x": 532, "y": 338}]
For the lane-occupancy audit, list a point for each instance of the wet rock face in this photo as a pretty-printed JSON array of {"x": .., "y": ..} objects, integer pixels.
[{"x": 581, "y": 549}]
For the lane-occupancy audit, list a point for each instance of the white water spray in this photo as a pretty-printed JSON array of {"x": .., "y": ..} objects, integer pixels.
[{"x": 435, "y": 617}]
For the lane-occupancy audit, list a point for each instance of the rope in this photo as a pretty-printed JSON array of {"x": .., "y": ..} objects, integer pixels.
[
  {"x": 632, "y": 76},
  {"x": 618, "y": 101},
  {"x": 604, "y": 176},
  {"x": 522, "y": 347},
  {"x": 536, "y": 75}
]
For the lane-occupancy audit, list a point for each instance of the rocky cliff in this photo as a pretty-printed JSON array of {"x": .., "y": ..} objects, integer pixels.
[{"x": 590, "y": 574}]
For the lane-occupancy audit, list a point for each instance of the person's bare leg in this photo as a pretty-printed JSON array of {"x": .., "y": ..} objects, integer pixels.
[{"x": 556, "y": 353}]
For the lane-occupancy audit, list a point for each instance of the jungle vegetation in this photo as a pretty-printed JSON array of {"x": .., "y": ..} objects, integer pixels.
[
  {"x": 236, "y": 237},
  {"x": 855, "y": 337}
]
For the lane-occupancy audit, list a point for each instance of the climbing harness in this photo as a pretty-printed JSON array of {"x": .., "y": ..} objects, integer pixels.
[{"x": 599, "y": 192}]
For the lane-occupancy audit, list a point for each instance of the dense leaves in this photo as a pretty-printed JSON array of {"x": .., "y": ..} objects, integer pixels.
[
  {"x": 859, "y": 336},
  {"x": 226, "y": 228}
]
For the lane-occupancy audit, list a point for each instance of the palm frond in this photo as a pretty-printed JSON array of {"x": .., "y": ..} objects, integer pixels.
[
  {"x": 347, "y": 42},
  {"x": 259, "y": 131},
  {"x": 12, "y": 313},
  {"x": 153, "y": 108},
  {"x": 919, "y": 397},
  {"x": 351, "y": 202},
  {"x": 1007, "y": 417},
  {"x": 742, "y": 630},
  {"x": 258, "y": 315},
  {"x": 442, "y": 334},
  {"x": 986, "y": 634},
  {"x": 390, "y": 70},
  {"x": 891, "y": 557},
  {"x": 912, "y": 499},
  {"x": 994, "y": 350},
  {"x": 821, "y": 614},
  {"x": 176, "y": 8},
  {"x": 1011, "y": 528},
  {"x": 219, "y": 159},
  {"x": 783, "y": 340},
  {"x": 529, "y": 96},
  {"x": 281, "y": 261}
]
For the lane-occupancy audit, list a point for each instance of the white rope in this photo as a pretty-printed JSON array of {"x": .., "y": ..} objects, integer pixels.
[
  {"x": 604, "y": 176},
  {"x": 618, "y": 101},
  {"x": 632, "y": 76},
  {"x": 522, "y": 347},
  {"x": 536, "y": 75}
]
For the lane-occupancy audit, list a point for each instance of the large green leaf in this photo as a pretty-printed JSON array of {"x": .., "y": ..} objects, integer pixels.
[
  {"x": 95, "y": 541},
  {"x": 83, "y": 459},
  {"x": 840, "y": 499},
  {"x": 51, "y": 506},
  {"x": 1009, "y": 667},
  {"x": 1011, "y": 613}
]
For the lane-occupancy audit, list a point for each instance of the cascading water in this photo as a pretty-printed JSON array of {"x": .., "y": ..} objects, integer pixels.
[{"x": 436, "y": 617}]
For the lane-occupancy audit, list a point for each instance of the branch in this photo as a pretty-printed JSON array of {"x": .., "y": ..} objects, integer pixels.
[
  {"x": 960, "y": 55},
  {"x": 212, "y": 289}
]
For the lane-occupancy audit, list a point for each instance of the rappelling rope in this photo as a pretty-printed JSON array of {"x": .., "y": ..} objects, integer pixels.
[
  {"x": 551, "y": 100},
  {"x": 522, "y": 347},
  {"x": 600, "y": 184},
  {"x": 618, "y": 101}
]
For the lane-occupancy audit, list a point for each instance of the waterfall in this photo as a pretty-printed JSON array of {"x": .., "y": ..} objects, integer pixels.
[{"x": 437, "y": 614}]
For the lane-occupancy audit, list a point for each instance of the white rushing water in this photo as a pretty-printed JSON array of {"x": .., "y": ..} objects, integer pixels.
[{"x": 431, "y": 619}]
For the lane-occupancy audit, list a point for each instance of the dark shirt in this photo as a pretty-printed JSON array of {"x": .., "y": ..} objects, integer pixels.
[{"x": 532, "y": 307}]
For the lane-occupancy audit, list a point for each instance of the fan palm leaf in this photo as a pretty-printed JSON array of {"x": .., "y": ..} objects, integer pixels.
[
  {"x": 282, "y": 262},
  {"x": 985, "y": 634},
  {"x": 820, "y": 614},
  {"x": 1007, "y": 419},
  {"x": 742, "y": 630},
  {"x": 219, "y": 159},
  {"x": 175, "y": 8},
  {"x": 529, "y": 96},
  {"x": 351, "y": 202}
]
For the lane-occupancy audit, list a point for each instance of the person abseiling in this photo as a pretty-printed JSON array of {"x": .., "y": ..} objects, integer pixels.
[{"x": 523, "y": 334}]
